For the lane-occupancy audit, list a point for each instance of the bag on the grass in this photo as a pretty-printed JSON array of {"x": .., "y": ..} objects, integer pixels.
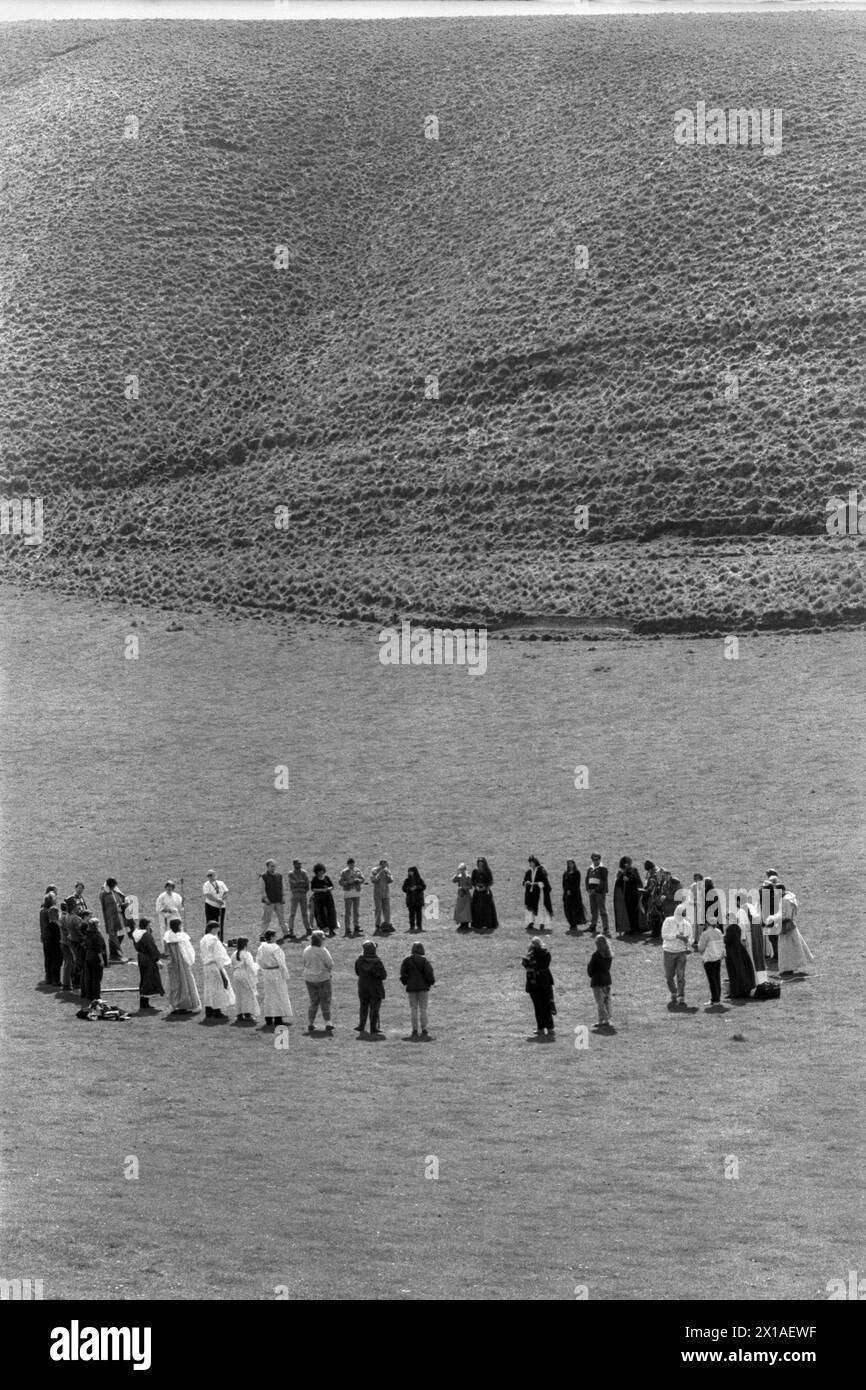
[{"x": 767, "y": 991}]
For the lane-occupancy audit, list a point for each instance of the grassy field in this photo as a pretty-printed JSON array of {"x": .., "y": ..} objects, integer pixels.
[{"x": 557, "y": 1167}]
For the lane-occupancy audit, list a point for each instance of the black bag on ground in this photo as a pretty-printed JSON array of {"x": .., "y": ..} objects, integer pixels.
[{"x": 767, "y": 991}]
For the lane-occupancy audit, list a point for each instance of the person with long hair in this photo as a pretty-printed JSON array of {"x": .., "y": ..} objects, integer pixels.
[
  {"x": 414, "y": 889},
  {"x": 245, "y": 978},
  {"x": 536, "y": 897},
  {"x": 738, "y": 963},
  {"x": 183, "y": 995},
  {"x": 539, "y": 987},
  {"x": 484, "y": 918},
  {"x": 572, "y": 900},
  {"x": 598, "y": 970},
  {"x": 463, "y": 905},
  {"x": 626, "y": 890},
  {"x": 324, "y": 911}
]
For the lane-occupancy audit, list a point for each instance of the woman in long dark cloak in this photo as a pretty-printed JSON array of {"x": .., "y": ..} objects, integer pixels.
[
  {"x": 626, "y": 890},
  {"x": 324, "y": 910},
  {"x": 484, "y": 916},
  {"x": 536, "y": 897},
  {"x": 572, "y": 901},
  {"x": 741, "y": 974},
  {"x": 95, "y": 961}
]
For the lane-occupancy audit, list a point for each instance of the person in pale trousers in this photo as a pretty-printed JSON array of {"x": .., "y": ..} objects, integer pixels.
[
  {"x": 416, "y": 975},
  {"x": 351, "y": 882}
]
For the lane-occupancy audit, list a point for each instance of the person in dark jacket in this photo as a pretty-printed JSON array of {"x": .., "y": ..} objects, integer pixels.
[
  {"x": 49, "y": 935},
  {"x": 371, "y": 989},
  {"x": 626, "y": 898},
  {"x": 95, "y": 960},
  {"x": 414, "y": 888},
  {"x": 539, "y": 987},
  {"x": 149, "y": 956},
  {"x": 572, "y": 901},
  {"x": 113, "y": 903},
  {"x": 598, "y": 971},
  {"x": 322, "y": 901},
  {"x": 536, "y": 897},
  {"x": 416, "y": 975}
]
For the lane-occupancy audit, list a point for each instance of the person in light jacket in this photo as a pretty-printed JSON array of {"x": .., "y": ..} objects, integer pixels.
[{"x": 381, "y": 879}]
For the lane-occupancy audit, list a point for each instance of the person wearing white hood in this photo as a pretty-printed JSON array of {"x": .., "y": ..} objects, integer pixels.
[
  {"x": 794, "y": 954},
  {"x": 676, "y": 945}
]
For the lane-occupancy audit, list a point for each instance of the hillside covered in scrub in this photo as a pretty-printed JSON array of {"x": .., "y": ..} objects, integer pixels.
[{"x": 275, "y": 338}]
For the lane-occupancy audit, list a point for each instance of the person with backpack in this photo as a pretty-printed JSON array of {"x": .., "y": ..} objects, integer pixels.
[
  {"x": 598, "y": 971},
  {"x": 416, "y": 976}
]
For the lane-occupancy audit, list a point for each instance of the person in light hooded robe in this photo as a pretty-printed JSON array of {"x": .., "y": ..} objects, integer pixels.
[
  {"x": 794, "y": 954},
  {"x": 275, "y": 982},
  {"x": 245, "y": 975},
  {"x": 217, "y": 989},
  {"x": 463, "y": 905},
  {"x": 183, "y": 995}
]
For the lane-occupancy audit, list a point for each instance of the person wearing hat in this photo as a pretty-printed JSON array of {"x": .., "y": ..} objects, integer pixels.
[
  {"x": 169, "y": 907},
  {"x": 215, "y": 894},
  {"x": 113, "y": 902},
  {"x": 539, "y": 987},
  {"x": 596, "y": 887},
  {"x": 318, "y": 967},
  {"x": 371, "y": 989},
  {"x": 416, "y": 976},
  {"x": 299, "y": 890}
]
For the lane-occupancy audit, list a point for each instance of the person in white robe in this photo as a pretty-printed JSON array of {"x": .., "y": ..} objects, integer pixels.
[
  {"x": 245, "y": 977},
  {"x": 169, "y": 905},
  {"x": 275, "y": 982},
  {"x": 794, "y": 954},
  {"x": 183, "y": 995},
  {"x": 217, "y": 991}
]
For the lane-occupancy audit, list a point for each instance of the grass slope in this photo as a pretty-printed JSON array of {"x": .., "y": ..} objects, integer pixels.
[{"x": 410, "y": 257}]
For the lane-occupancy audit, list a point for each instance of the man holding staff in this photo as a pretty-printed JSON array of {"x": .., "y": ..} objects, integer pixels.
[{"x": 215, "y": 894}]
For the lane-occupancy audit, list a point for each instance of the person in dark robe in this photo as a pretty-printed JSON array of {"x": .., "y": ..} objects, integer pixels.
[
  {"x": 741, "y": 974},
  {"x": 113, "y": 902},
  {"x": 322, "y": 898},
  {"x": 655, "y": 896},
  {"x": 536, "y": 896},
  {"x": 75, "y": 924},
  {"x": 414, "y": 889},
  {"x": 572, "y": 901},
  {"x": 95, "y": 951},
  {"x": 484, "y": 916},
  {"x": 539, "y": 987},
  {"x": 149, "y": 956},
  {"x": 49, "y": 935},
  {"x": 626, "y": 890}
]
